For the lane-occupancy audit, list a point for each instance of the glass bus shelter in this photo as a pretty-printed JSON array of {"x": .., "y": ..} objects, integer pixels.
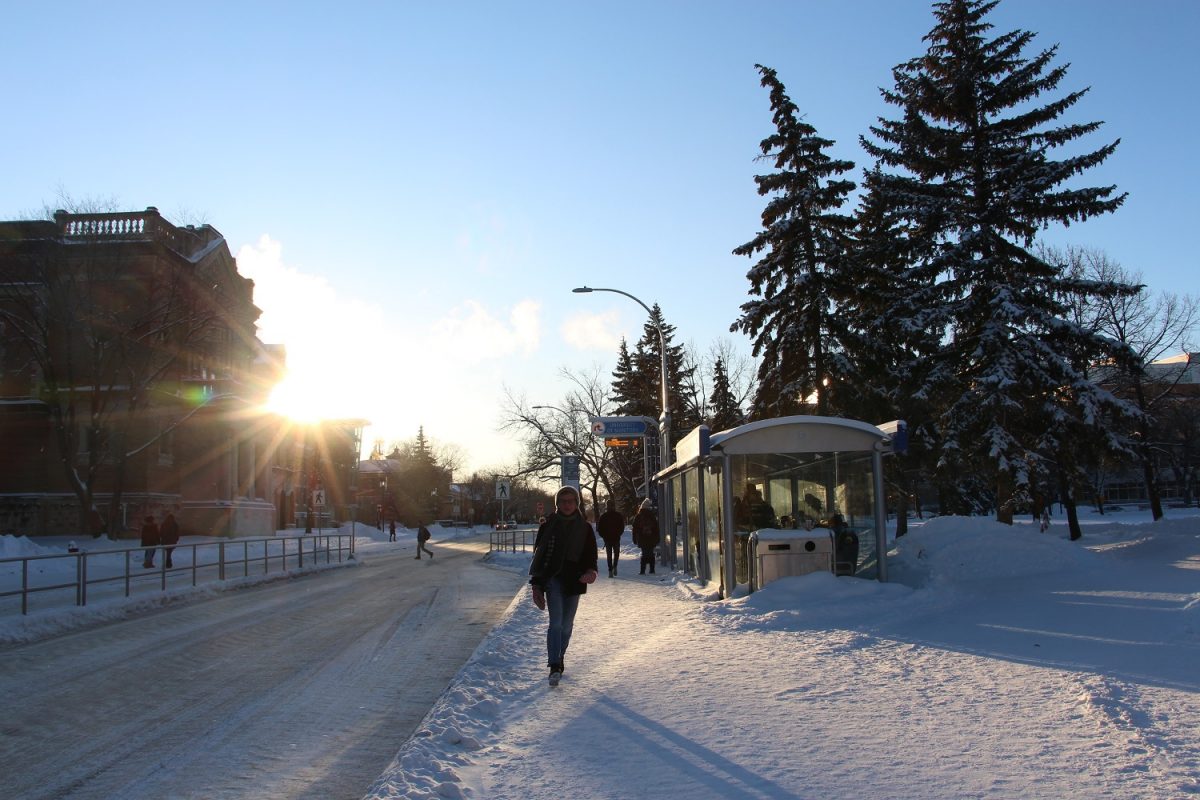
[{"x": 801, "y": 472}]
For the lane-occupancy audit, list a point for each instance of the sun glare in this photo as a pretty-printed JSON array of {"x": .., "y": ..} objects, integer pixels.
[{"x": 299, "y": 403}]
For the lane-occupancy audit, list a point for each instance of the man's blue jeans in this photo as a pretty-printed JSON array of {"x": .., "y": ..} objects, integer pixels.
[{"x": 562, "y": 608}]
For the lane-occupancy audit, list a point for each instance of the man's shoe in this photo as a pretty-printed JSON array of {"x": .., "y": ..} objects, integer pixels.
[
  {"x": 418, "y": 558},
  {"x": 556, "y": 672}
]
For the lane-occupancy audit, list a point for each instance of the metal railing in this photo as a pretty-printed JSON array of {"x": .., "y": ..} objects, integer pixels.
[
  {"x": 110, "y": 568},
  {"x": 512, "y": 540}
]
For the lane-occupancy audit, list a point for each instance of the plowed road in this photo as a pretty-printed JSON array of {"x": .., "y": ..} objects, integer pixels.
[{"x": 303, "y": 688}]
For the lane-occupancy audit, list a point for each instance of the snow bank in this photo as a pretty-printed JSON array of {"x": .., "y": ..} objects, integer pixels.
[
  {"x": 952, "y": 550},
  {"x": 22, "y": 547}
]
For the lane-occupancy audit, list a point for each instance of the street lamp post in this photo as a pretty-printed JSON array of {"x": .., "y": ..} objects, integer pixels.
[
  {"x": 664, "y": 422},
  {"x": 666, "y": 503}
]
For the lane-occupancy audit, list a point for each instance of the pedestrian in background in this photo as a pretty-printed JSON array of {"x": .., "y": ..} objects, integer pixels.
[
  {"x": 423, "y": 537},
  {"x": 611, "y": 525},
  {"x": 391, "y": 530},
  {"x": 169, "y": 535},
  {"x": 150, "y": 540},
  {"x": 564, "y": 563},
  {"x": 645, "y": 534}
]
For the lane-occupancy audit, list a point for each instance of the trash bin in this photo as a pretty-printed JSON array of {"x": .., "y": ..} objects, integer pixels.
[{"x": 781, "y": 553}]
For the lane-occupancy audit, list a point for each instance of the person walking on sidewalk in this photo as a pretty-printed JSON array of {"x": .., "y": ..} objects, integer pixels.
[
  {"x": 169, "y": 534},
  {"x": 611, "y": 525},
  {"x": 423, "y": 537},
  {"x": 564, "y": 563},
  {"x": 645, "y": 535},
  {"x": 150, "y": 540}
]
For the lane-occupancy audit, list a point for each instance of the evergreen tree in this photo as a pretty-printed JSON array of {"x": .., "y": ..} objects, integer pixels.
[
  {"x": 634, "y": 392},
  {"x": 637, "y": 391},
  {"x": 647, "y": 360},
  {"x": 976, "y": 181},
  {"x": 723, "y": 407},
  {"x": 803, "y": 241},
  {"x": 420, "y": 482}
]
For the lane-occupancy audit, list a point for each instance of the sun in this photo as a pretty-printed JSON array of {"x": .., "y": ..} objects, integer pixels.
[{"x": 299, "y": 402}]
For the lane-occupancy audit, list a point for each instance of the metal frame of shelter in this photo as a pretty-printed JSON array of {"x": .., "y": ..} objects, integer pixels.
[{"x": 816, "y": 471}]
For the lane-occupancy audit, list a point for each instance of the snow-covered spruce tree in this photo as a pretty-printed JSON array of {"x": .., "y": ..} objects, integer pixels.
[
  {"x": 647, "y": 359},
  {"x": 637, "y": 391},
  {"x": 973, "y": 172},
  {"x": 887, "y": 344},
  {"x": 803, "y": 245},
  {"x": 634, "y": 393},
  {"x": 723, "y": 410}
]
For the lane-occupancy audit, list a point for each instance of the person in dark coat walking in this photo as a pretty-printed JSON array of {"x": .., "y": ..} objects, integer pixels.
[
  {"x": 169, "y": 534},
  {"x": 423, "y": 536},
  {"x": 645, "y": 535},
  {"x": 150, "y": 540},
  {"x": 564, "y": 563},
  {"x": 611, "y": 525}
]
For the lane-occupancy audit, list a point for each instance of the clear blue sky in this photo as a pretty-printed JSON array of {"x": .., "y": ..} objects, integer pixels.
[{"x": 440, "y": 175}]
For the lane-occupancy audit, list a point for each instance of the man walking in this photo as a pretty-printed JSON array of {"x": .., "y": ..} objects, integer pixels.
[
  {"x": 423, "y": 537},
  {"x": 611, "y": 525},
  {"x": 645, "y": 534},
  {"x": 564, "y": 563}
]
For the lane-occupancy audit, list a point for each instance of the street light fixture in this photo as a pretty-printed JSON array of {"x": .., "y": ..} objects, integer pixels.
[
  {"x": 553, "y": 408},
  {"x": 664, "y": 422}
]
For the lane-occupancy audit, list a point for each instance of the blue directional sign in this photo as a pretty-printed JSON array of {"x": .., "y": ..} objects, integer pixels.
[
  {"x": 624, "y": 427},
  {"x": 619, "y": 426}
]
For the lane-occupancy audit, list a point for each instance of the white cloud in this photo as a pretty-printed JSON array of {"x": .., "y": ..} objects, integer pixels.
[
  {"x": 472, "y": 334},
  {"x": 585, "y": 331}
]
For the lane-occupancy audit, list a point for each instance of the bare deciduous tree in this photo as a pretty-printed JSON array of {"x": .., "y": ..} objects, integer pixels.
[{"x": 1153, "y": 330}]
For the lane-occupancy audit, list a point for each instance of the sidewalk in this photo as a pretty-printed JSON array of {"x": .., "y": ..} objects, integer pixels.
[{"x": 820, "y": 687}]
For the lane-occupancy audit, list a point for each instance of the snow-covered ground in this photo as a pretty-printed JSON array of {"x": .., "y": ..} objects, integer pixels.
[{"x": 999, "y": 662}]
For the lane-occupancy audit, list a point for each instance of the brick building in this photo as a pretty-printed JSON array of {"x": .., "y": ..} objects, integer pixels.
[{"x": 132, "y": 381}]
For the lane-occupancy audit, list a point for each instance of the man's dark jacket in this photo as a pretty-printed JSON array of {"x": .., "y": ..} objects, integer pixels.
[
  {"x": 549, "y": 558},
  {"x": 611, "y": 525}
]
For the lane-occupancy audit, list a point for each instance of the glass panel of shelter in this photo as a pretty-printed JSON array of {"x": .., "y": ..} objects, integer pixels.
[
  {"x": 714, "y": 528},
  {"x": 831, "y": 490},
  {"x": 692, "y": 510}
]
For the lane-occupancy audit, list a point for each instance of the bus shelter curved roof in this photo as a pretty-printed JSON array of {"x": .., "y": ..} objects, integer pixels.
[{"x": 798, "y": 434}]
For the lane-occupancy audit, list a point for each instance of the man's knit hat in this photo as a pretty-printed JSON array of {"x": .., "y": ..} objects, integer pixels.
[{"x": 568, "y": 490}]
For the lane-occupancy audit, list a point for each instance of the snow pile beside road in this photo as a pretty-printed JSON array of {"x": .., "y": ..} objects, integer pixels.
[{"x": 23, "y": 547}]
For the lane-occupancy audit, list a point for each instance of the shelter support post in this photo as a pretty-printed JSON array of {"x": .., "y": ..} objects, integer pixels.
[{"x": 880, "y": 515}]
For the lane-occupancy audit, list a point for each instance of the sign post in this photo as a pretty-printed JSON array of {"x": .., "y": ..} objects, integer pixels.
[
  {"x": 318, "y": 502},
  {"x": 625, "y": 432},
  {"x": 503, "y": 494},
  {"x": 570, "y": 471}
]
